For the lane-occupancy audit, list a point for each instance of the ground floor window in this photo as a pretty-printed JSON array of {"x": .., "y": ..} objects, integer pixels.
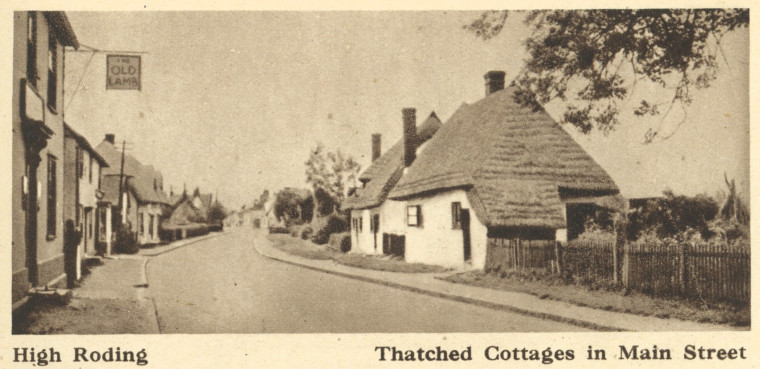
[
  {"x": 456, "y": 215},
  {"x": 141, "y": 220},
  {"x": 414, "y": 216},
  {"x": 52, "y": 197}
]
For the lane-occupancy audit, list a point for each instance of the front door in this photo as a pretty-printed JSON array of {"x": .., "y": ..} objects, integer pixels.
[
  {"x": 466, "y": 234},
  {"x": 375, "y": 228},
  {"x": 32, "y": 209}
]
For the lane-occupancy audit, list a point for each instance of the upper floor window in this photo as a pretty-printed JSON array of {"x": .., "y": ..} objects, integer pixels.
[
  {"x": 31, "y": 49},
  {"x": 90, "y": 170},
  {"x": 414, "y": 216},
  {"x": 456, "y": 215},
  {"x": 52, "y": 91},
  {"x": 80, "y": 162}
]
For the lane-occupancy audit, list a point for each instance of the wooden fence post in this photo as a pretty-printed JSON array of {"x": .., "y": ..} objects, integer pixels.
[
  {"x": 621, "y": 240},
  {"x": 682, "y": 276},
  {"x": 626, "y": 268}
]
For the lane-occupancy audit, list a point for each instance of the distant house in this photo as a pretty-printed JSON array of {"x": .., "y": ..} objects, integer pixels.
[
  {"x": 143, "y": 200},
  {"x": 376, "y": 222},
  {"x": 232, "y": 220},
  {"x": 495, "y": 170},
  {"x": 82, "y": 198}
]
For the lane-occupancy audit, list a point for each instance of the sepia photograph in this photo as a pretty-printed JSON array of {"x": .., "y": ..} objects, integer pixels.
[{"x": 370, "y": 171}]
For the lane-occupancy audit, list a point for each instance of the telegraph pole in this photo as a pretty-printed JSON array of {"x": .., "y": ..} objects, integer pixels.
[{"x": 121, "y": 181}]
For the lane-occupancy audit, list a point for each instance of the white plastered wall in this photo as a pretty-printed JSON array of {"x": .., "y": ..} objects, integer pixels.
[{"x": 436, "y": 241}]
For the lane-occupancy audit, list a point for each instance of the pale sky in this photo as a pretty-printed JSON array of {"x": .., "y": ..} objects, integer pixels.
[{"x": 233, "y": 101}]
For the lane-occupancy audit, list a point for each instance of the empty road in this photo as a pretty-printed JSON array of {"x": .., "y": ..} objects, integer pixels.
[{"x": 222, "y": 285}]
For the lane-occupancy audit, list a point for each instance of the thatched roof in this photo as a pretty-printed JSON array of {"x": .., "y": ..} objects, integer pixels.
[
  {"x": 145, "y": 180},
  {"x": 512, "y": 161},
  {"x": 386, "y": 170}
]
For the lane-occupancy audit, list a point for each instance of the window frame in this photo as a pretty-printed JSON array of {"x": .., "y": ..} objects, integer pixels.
[
  {"x": 52, "y": 73},
  {"x": 31, "y": 49},
  {"x": 456, "y": 215},
  {"x": 89, "y": 172},
  {"x": 414, "y": 220}
]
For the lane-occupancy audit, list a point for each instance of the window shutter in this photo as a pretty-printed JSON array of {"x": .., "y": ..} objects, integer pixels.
[{"x": 419, "y": 215}]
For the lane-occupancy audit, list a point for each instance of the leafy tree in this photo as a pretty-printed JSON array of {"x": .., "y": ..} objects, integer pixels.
[
  {"x": 674, "y": 214},
  {"x": 330, "y": 172},
  {"x": 216, "y": 213},
  {"x": 592, "y": 59},
  {"x": 288, "y": 205},
  {"x": 733, "y": 208}
]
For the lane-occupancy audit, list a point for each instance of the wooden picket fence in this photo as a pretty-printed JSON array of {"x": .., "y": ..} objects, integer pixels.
[
  {"x": 705, "y": 271},
  {"x": 505, "y": 253}
]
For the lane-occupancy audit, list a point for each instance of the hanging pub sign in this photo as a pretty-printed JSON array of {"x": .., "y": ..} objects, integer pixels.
[{"x": 123, "y": 72}]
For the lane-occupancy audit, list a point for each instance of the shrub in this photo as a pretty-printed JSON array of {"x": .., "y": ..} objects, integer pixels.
[
  {"x": 340, "y": 241},
  {"x": 294, "y": 230},
  {"x": 306, "y": 232},
  {"x": 334, "y": 223},
  {"x": 276, "y": 230},
  {"x": 126, "y": 242}
]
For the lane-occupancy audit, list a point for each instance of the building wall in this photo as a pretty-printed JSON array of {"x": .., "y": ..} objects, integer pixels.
[
  {"x": 49, "y": 248},
  {"x": 392, "y": 220},
  {"x": 436, "y": 242},
  {"x": 18, "y": 162},
  {"x": 151, "y": 216},
  {"x": 88, "y": 189}
]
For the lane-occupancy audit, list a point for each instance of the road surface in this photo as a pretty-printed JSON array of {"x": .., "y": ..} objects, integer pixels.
[{"x": 222, "y": 285}]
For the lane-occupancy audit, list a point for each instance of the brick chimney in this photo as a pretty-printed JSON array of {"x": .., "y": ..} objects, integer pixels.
[
  {"x": 410, "y": 135},
  {"x": 375, "y": 146},
  {"x": 494, "y": 81},
  {"x": 110, "y": 137}
]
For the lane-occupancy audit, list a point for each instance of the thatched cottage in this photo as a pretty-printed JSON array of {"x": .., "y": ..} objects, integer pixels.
[
  {"x": 377, "y": 224},
  {"x": 495, "y": 169}
]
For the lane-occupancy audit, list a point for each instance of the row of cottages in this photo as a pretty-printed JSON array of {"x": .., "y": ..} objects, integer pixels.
[
  {"x": 83, "y": 200},
  {"x": 495, "y": 170},
  {"x": 39, "y": 151},
  {"x": 143, "y": 202},
  {"x": 377, "y": 222}
]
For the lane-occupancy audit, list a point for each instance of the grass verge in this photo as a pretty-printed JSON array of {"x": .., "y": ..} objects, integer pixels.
[
  {"x": 633, "y": 303},
  {"x": 310, "y": 250}
]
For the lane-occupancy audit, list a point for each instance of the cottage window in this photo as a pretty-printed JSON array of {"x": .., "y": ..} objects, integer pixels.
[
  {"x": 52, "y": 85},
  {"x": 80, "y": 162},
  {"x": 360, "y": 223},
  {"x": 90, "y": 170},
  {"x": 456, "y": 215},
  {"x": 51, "y": 196},
  {"x": 414, "y": 216},
  {"x": 151, "y": 225},
  {"x": 31, "y": 49},
  {"x": 142, "y": 224}
]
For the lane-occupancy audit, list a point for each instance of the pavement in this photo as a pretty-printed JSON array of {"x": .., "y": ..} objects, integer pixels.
[
  {"x": 122, "y": 277},
  {"x": 530, "y": 305}
]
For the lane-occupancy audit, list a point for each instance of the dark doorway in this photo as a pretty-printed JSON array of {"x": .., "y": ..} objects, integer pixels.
[
  {"x": 375, "y": 227},
  {"x": 32, "y": 209},
  {"x": 466, "y": 234}
]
